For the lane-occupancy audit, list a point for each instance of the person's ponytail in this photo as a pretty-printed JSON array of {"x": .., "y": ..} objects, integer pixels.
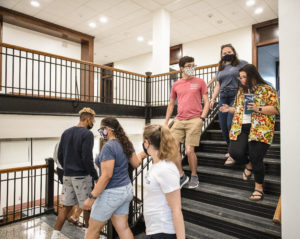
[{"x": 168, "y": 149}]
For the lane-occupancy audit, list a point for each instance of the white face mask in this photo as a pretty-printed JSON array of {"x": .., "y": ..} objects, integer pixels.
[{"x": 190, "y": 71}]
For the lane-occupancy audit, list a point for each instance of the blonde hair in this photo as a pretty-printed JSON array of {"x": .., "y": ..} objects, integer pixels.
[
  {"x": 162, "y": 140},
  {"x": 86, "y": 113}
]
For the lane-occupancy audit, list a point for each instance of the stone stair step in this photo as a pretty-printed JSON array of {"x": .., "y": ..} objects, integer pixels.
[
  {"x": 239, "y": 224},
  {"x": 194, "y": 231},
  {"x": 233, "y": 178},
  {"x": 232, "y": 198}
]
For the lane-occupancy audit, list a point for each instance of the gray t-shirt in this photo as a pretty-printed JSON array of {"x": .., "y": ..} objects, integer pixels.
[
  {"x": 113, "y": 150},
  {"x": 228, "y": 77}
]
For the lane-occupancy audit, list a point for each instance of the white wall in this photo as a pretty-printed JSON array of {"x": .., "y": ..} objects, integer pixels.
[
  {"x": 289, "y": 51},
  {"x": 138, "y": 64},
  {"x": 41, "y": 42},
  {"x": 206, "y": 51}
]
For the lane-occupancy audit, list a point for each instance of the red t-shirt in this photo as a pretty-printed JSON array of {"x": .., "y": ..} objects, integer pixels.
[{"x": 188, "y": 93}]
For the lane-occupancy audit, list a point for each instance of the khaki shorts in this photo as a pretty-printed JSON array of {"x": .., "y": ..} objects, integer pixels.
[
  {"x": 76, "y": 189},
  {"x": 188, "y": 131}
]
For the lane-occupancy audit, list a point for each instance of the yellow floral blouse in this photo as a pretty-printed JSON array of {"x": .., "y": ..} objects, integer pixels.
[{"x": 262, "y": 126}]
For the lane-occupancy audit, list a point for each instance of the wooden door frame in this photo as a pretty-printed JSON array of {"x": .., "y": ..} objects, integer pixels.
[
  {"x": 35, "y": 24},
  {"x": 256, "y": 44}
]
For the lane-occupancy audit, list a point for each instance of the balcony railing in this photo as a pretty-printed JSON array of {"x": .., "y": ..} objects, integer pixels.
[{"x": 27, "y": 72}]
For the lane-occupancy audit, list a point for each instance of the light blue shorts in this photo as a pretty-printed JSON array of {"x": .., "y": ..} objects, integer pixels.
[{"x": 112, "y": 201}]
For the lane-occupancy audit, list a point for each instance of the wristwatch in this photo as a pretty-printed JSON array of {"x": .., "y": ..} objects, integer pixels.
[
  {"x": 259, "y": 109},
  {"x": 203, "y": 119},
  {"x": 91, "y": 196}
]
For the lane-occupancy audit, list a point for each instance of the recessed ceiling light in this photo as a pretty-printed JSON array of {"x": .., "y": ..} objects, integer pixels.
[
  {"x": 92, "y": 25},
  {"x": 258, "y": 10},
  {"x": 150, "y": 43},
  {"x": 140, "y": 38},
  {"x": 103, "y": 19},
  {"x": 250, "y": 3},
  {"x": 35, "y": 3}
]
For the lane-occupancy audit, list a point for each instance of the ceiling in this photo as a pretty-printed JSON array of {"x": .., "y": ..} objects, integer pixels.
[{"x": 128, "y": 19}]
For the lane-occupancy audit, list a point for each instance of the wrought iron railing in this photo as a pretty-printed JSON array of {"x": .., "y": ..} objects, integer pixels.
[
  {"x": 23, "y": 193},
  {"x": 31, "y": 73}
]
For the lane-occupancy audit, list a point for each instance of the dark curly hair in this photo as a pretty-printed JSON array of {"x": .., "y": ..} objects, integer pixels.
[{"x": 120, "y": 134}]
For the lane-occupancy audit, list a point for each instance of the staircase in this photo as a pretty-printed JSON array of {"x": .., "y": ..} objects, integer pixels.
[{"x": 219, "y": 208}]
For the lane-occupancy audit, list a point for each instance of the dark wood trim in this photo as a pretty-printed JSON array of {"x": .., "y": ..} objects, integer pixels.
[
  {"x": 176, "y": 49},
  {"x": 254, "y": 47},
  {"x": 264, "y": 43},
  {"x": 39, "y": 25},
  {"x": 175, "y": 72},
  {"x": 255, "y": 43},
  {"x": 266, "y": 23},
  {"x": 10, "y": 170}
]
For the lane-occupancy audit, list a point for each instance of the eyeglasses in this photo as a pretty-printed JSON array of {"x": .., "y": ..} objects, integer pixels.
[{"x": 101, "y": 129}]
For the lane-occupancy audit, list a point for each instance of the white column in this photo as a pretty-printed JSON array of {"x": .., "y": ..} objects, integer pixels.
[
  {"x": 161, "y": 42},
  {"x": 289, "y": 50}
]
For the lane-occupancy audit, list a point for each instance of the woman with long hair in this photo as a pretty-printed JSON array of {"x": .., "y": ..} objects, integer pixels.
[
  {"x": 227, "y": 85},
  {"x": 112, "y": 194},
  {"x": 254, "y": 113},
  {"x": 162, "y": 201}
]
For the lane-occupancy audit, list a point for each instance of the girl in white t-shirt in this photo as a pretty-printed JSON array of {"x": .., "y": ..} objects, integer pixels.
[{"x": 162, "y": 202}]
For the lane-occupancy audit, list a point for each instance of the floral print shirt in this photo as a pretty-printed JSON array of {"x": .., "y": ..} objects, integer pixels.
[{"x": 262, "y": 126}]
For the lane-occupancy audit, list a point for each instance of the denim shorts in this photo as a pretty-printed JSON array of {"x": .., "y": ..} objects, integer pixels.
[{"x": 112, "y": 201}]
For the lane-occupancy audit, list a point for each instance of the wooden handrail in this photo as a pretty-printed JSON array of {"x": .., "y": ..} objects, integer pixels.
[
  {"x": 93, "y": 64},
  {"x": 176, "y": 72},
  {"x": 211, "y": 82},
  {"x": 68, "y": 59},
  {"x": 11, "y": 170}
]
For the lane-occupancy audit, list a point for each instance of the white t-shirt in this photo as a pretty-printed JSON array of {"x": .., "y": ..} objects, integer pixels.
[{"x": 163, "y": 177}]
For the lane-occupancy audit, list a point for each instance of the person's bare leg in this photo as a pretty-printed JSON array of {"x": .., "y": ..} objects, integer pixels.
[
  {"x": 179, "y": 162},
  {"x": 94, "y": 229},
  {"x": 86, "y": 217},
  {"x": 192, "y": 159},
  {"x": 120, "y": 223},
  {"x": 62, "y": 216}
]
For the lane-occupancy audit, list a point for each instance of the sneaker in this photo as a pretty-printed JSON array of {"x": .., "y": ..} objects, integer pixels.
[
  {"x": 194, "y": 182},
  {"x": 183, "y": 180},
  {"x": 55, "y": 234},
  {"x": 85, "y": 232}
]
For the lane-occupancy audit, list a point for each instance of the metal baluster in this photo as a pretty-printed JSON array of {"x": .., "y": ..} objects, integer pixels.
[
  {"x": 13, "y": 70},
  {"x": 21, "y": 210}
]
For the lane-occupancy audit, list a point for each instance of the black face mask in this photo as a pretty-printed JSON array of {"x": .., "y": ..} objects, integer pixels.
[
  {"x": 145, "y": 150},
  {"x": 90, "y": 126},
  {"x": 228, "y": 57}
]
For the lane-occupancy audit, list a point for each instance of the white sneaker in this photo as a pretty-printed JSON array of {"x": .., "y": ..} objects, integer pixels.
[
  {"x": 85, "y": 232},
  {"x": 55, "y": 234}
]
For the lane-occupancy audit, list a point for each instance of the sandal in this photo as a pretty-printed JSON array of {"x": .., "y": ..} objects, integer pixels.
[
  {"x": 230, "y": 161},
  {"x": 257, "y": 197},
  {"x": 247, "y": 176}
]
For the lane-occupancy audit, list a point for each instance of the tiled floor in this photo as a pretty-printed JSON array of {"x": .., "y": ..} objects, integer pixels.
[
  {"x": 29, "y": 229},
  {"x": 42, "y": 228}
]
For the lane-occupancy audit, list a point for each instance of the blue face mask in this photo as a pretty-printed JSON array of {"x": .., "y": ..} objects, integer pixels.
[{"x": 103, "y": 133}]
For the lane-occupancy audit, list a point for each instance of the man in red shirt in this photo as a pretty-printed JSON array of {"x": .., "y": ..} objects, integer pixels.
[{"x": 190, "y": 116}]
